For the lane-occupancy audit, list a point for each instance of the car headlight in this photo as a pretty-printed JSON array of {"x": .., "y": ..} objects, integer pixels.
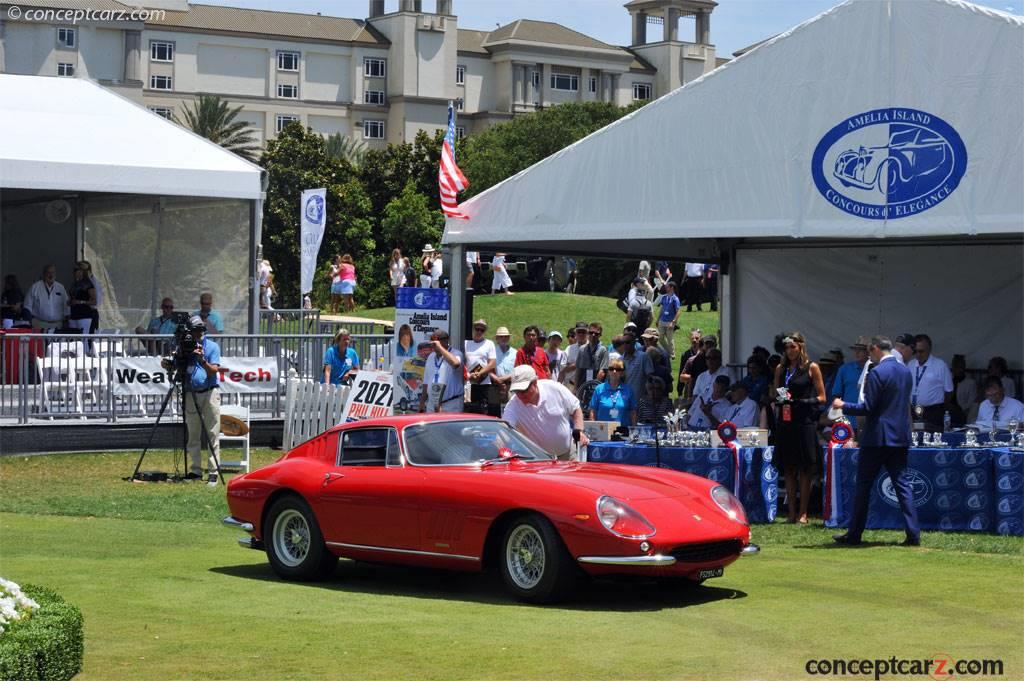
[
  {"x": 621, "y": 520},
  {"x": 729, "y": 504}
]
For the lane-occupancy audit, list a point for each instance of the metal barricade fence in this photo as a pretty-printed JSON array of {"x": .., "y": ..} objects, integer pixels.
[
  {"x": 50, "y": 376},
  {"x": 289, "y": 322}
]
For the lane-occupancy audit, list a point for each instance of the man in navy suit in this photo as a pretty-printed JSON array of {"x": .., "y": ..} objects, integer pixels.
[{"x": 884, "y": 439}]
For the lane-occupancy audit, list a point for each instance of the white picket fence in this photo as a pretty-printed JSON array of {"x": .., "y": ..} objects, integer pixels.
[{"x": 311, "y": 408}]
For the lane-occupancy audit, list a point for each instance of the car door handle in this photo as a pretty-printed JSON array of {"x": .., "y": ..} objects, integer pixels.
[{"x": 331, "y": 477}]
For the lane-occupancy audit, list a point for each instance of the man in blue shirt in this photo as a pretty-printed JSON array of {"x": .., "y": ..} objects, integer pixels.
[
  {"x": 847, "y": 381},
  {"x": 200, "y": 382},
  {"x": 211, "y": 318},
  {"x": 668, "y": 319},
  {"x": 884, "y": 440},
  {"x": 340, "y": 361}
]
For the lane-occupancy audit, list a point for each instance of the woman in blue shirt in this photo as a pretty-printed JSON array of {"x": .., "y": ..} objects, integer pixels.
[
  {"x": 340, "y": 361},
  {"x": 613, "y": 400}
]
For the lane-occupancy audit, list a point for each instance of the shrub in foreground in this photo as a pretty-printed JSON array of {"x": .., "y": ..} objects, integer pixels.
[{"x": 46, "y": 645}]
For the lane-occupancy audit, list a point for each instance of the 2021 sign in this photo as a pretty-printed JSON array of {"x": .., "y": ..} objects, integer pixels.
[{"x": 370, "y": 396}]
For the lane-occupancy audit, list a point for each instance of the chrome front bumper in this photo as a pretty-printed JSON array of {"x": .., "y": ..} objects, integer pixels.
[
  {"x": 750, "y": 550},
  {"x": 658, "y": 560},
  {"x": 237, "y": 524}
]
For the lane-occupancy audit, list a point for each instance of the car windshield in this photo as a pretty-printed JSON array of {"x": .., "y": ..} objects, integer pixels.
[{"x": 448, "y": 443}]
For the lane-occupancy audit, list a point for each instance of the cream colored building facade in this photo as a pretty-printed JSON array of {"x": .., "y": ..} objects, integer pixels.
[{"x": 378, "y": 80}]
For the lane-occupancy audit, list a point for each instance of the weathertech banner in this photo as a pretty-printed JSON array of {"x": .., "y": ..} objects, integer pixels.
[{"x": 145, "y": 376}]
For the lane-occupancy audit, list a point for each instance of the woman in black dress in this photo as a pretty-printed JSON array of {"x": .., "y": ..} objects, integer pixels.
[{"x": 796, "y": 440}]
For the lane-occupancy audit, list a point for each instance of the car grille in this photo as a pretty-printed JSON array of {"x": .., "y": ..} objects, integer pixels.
[{"x": 708, "y": 551}]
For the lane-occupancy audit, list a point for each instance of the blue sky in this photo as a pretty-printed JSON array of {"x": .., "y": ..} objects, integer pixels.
[{"x": 734, "y": 24}]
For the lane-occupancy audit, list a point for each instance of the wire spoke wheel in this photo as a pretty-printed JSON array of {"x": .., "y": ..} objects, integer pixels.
[
  {"x": 291, "y": 538},
  {"x": 525, "y": 557}
]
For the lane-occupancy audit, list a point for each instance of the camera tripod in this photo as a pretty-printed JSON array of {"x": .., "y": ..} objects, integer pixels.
[{"x": 178, "y": 383}]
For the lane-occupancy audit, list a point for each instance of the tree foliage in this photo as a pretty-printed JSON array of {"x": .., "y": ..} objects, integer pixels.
[
  {"x": 381, "y": 199},
  {"x": 343, "y": 147},
  {"x": 211, "y": 117},
  {"x": 296, "y": 160}
]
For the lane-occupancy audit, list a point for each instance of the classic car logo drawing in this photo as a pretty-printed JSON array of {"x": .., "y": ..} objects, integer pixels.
[
  {"x": 468, "y": 493},
  {"x": 889, "y": 163}
]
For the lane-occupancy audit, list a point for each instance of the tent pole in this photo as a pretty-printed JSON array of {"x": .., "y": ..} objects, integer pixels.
[{"x": 457, "y": 291}]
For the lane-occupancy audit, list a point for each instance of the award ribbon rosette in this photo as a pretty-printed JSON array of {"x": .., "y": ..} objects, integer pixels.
[
  {"x": 727, "y": 432},
  {"x": 842, "y": 432}
]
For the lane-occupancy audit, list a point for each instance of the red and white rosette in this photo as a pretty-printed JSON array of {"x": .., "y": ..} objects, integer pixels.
[
  {"x": 842, "y": 432},
  {"x": 728, "y": 433}
]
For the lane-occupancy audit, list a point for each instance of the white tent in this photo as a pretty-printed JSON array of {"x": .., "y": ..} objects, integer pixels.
[
  {"x": 150, "y": 204},
  {"x": 863, "y": 172},
  {"x": 70, "y": 134}
]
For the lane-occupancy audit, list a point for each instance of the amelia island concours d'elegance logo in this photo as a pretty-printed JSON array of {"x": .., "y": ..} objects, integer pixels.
[{"x": 890, "y": 163}]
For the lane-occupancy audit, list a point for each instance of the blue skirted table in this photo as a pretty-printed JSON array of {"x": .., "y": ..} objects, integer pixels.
[
  {"x": 758, "y": 483},
  {"x": 955, "y": 489}
]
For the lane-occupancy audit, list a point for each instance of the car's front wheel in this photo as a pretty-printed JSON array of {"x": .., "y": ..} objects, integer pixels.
[
  {"x": 534, "y": 563},
  {"x": 295, "y": 546}
]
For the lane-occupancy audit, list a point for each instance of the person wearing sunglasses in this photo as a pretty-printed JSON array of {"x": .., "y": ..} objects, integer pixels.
[
  {"x": 614, "y": 400},
  {"x": 592, "y": 358}
]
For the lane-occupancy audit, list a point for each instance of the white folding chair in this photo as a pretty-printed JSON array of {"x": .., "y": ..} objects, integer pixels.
[
  {"x": 59, "y": 387},
  {"x": 240, "y": 412}
]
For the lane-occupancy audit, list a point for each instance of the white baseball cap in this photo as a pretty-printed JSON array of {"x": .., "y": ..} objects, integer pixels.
[{"x": 522, "y": 376}]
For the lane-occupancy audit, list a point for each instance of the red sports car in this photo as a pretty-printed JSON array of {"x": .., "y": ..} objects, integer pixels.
[{"x": 467, "y": 492}]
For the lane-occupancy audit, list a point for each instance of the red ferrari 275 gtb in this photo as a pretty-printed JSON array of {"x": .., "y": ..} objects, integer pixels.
[{"x": 467, "y": 492}]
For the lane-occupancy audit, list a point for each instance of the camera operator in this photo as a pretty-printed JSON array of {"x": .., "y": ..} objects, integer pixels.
[{"x": 197, "y": 361}]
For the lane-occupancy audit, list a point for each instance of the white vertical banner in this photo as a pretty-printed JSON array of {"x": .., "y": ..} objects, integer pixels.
[{"x": 313, "y": 208}]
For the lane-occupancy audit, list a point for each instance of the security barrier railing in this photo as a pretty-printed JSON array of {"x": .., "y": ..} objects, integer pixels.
[{"x": 57, "y": 376}]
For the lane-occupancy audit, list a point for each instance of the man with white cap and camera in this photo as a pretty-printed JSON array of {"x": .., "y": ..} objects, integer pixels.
[{"x": 546, "y": 412}]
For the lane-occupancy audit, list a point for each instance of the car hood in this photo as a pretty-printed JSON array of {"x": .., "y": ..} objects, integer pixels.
[{"x": 628, "y": 483}]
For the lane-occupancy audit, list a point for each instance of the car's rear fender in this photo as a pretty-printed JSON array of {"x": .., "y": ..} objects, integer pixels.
[{"x": 269, "y": 502}]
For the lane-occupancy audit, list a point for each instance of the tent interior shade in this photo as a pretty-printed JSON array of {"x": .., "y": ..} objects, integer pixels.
[
  {"x": 729, "y": 155},
  {"x": 72, "y": 135}
]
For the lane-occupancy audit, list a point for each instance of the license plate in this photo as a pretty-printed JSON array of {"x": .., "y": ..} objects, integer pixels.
[{"x": 708, "y": 574}]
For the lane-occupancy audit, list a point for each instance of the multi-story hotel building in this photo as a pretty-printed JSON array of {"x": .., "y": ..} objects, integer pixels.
[{"x": 379, "y": 79}]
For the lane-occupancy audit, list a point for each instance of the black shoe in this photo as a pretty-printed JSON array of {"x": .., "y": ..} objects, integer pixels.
[
  {"x": 911, "y": 541},
  {"x": 211, "y": 480},
  {"x": 846, "y": 540},
  {"x": 193, "y": 476}
]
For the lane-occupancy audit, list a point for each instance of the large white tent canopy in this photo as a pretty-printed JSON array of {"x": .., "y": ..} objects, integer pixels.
[
  {"x": 860, "y": 173},
  {"x": 729, "y": 155},
  {"x": 72, "y": 135}
]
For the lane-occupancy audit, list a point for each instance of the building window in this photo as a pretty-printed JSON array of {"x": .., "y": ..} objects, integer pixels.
[
  {"x": 536, "y": 80},
  {"x": 373, "y": 130},
  {"x": 374, "y": 68},
  {"x": 162, "y": 112},
  {"x": 460, "y": 132},
  {"x": 565, "y": 81},
  {"x": 161, "y": 51},
  {"x": 373, "y": 96},
  {"x": 283, "y": 120},
  {"x": 287, "y": 91},
  {"x": 287, "y": 61},
  {"x": 65, "y": 69},
  {"x": 460, "y": 104},
  {"x": 160, "y": 82},
  {"x": 593, "y": 84},
  {"x": 641, "y": 91},
  {"x": 66, "y": 37},
  {"x": 460, "y": 75}
]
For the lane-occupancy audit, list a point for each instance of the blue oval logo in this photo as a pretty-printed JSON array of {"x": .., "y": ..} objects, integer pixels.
[
  {"x": 315, "y": 209},
  {"x": 886, "y": 164}
]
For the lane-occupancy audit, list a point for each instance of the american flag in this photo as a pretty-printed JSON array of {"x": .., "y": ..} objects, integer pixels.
[{"x": 450, "y": 180}]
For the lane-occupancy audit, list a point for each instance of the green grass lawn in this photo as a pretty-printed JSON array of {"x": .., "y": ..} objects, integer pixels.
[
  {"x": 167, "y": 594},
  {"x": 557, "y": 311}
]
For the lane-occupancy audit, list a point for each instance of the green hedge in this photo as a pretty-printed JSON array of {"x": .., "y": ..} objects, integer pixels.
[{"x": 47, "y": 647}]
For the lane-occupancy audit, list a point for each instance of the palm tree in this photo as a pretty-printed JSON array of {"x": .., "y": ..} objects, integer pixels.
[
  {"x": 341, "y": 147},
  {"x": 211, "y": 117}
]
